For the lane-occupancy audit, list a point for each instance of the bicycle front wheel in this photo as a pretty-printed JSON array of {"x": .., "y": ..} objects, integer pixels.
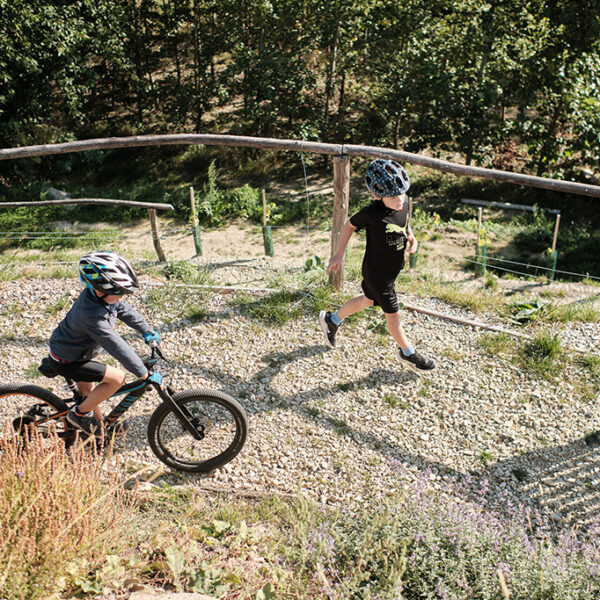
[
  {"x": 218, "y": 418},
  {"x": 36, "y": 407}
]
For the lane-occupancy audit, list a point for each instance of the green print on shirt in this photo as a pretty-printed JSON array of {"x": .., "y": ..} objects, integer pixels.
[
  {"x": 395, "y": 236},
  {"x": 393, "y": 228}
]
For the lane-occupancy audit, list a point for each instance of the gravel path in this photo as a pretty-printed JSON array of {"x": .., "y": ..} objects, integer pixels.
[{"x": 350, "y": 424}]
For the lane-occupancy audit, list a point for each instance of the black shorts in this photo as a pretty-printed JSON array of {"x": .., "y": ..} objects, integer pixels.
[
  {"x": 382, "y": 294},
  {"x": 80, "y": 370}
]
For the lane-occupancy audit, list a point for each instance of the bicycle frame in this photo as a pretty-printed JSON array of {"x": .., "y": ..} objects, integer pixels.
[{"x": 135, "y": 390}]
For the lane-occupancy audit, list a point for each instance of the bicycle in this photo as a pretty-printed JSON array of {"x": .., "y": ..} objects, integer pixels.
[{"x": 195, "y": 430}]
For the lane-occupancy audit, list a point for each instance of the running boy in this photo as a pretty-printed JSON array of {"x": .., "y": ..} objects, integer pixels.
[
  {"x": 386, "y": 223},
  {"x": 88, "y": 328}
]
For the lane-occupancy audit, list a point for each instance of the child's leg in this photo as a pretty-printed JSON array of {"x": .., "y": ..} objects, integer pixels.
[
  {"x": 113, "y": 379},
  {"x": 406, "y": 352},
  {"x": 394, "y": 325},
  {"x": 331, "y": 322},
  {"x": 85, "y": 389},
  {"x": 353, "y": 306}
]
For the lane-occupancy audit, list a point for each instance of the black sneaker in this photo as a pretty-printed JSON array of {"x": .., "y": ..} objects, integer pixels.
[
  {"x": 84, "y": 423},
  {"x": 328, "y": 327},
  {"x": 416, "y": 360}
]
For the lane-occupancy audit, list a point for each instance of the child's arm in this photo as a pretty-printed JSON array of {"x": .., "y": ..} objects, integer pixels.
[
  {"x": 108, "y": 339},
  {"x": 345, "y": 235},
  {"x": 131, "y": 317}
]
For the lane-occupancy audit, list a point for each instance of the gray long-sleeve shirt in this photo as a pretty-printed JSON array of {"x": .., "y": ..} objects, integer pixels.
[{"x": 88, "y": 328}]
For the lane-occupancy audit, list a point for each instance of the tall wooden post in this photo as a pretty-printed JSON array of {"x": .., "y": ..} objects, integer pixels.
[
  {"x": 341, "y": 198},
  {"x": 195, "y": 228},
  {"x": 266, "y": 229},
  {"x": 155, "y": 235},
  {"x": 554, "y": 253},
  {"x": 412, "y": 258}
]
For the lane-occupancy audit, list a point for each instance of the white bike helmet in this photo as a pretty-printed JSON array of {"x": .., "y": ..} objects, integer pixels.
[
  {"x": 108, "y": 273},
  {"x": 386, "y": 178}
]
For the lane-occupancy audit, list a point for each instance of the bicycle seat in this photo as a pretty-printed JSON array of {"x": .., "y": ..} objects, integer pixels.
[{"x": 45, "y": 369}]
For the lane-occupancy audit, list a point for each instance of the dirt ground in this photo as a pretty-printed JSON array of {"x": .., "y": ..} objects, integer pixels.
[{"x": 443, "y": 256}]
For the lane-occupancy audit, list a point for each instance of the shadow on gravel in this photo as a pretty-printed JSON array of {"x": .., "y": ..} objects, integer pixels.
[
  {"x": 561, "y": 482},
  {"x": 25, "y": 341}
]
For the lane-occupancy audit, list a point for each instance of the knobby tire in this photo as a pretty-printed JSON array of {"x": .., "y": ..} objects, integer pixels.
[{"x": 225, "y": 426}]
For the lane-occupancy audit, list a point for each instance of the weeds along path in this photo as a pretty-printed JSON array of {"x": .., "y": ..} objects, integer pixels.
[{"x": 349, "y": 425}]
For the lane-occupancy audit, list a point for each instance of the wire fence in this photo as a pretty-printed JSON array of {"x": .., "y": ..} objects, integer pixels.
[{"x": 474, "y": 260}]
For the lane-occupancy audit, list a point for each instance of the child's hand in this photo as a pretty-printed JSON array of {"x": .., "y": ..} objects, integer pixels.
[
  {"x": 334, "y": 264},
  {"x": 414, "y": 244},
  {"x": 155, "y": 377},
  {"x": 151, "y": 336}
]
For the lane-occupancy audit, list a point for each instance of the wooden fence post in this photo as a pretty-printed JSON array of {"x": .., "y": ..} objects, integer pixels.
[
  {"x": 341, "y": 197},
  {"x": 554, "y": 253},
  {"x": 481, "y": 244},
  {"x": 155, "y": 235},
  {"x": 412, "y": 258},
  {"x": 195, "y": 228},
  {"x": 266, "y": 229}
]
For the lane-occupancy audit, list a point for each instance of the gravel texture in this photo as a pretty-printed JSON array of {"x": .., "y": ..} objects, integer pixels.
[{"x": 351, "y": 424}]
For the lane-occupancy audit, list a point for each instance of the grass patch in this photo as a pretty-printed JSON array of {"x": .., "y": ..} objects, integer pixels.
[
  {"x": 196, "y": 313},
  {"x": 452, "y": 293},
  {"x": 391, "y": 399},
  {"x": 186, "y": 272},
  {"x": 339, "y": 425},
  {"x": 31, "y": 371},
  {"x": 49, "y": 538},
  {"x": 405, "y": 546},
  {"x": 170, "y": 303},
  {"x": 542, "y": 355},
  {"x": 425, "y": 389},
  {"x": 275, "y": 309},
  {"x": 486, "y": 457},
  {"x": 345, "y": 386},
  {"x": 58, "y": 305},
  {"x": 497, "y": 344},
  {"x": 564, "y": 313},
  {"x": 378, "y": 326},
  {"x": 591, "y": 362}
]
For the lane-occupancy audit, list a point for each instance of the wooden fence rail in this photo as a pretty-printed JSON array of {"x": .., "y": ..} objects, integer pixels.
[
  {"x": 301, "y": 146},
  {"x": 341, "y": 171},
  {"x": 148, "y": 205}
]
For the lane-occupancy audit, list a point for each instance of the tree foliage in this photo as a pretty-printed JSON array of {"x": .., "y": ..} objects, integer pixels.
[{"x": 448, "y": 76}]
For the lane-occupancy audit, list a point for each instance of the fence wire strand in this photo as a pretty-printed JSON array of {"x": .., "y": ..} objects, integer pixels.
[{"x": 529, "y": 265}]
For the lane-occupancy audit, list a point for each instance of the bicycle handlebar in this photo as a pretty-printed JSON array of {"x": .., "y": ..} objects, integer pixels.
[{"x": 154, "y": 356}]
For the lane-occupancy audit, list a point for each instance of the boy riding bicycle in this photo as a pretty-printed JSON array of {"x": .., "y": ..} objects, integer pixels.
[
  {"x": 388, "y": 234},
  {"x": 88, "y": 328}
]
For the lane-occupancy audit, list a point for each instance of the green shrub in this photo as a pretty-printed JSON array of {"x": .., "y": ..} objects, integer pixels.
[{"x": 215, "y": 206}]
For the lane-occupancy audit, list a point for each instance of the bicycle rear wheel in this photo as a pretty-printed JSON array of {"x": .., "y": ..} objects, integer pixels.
[
  {"x": 37, "y": 407},
  {"x": 219, "y": 419}
]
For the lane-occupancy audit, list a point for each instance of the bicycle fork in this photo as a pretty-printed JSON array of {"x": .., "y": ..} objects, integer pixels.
[{"x": 185, "y": 417}]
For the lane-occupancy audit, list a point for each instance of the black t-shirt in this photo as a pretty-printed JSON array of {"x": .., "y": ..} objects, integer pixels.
[{"x": 386, "y": 240}]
